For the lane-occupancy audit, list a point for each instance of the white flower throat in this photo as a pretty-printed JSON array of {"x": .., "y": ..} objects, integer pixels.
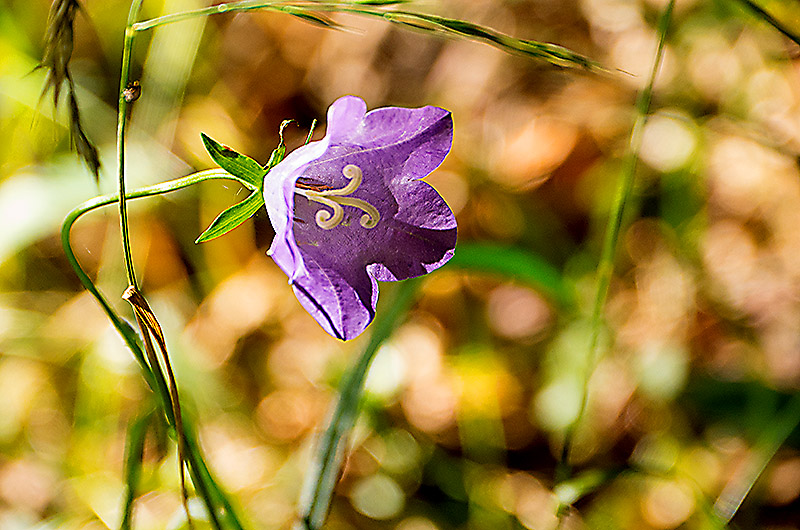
[{"x": 335, "y": 199}]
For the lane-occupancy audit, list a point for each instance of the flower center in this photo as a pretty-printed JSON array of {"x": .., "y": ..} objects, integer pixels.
[{"x": 336, "y": 198}]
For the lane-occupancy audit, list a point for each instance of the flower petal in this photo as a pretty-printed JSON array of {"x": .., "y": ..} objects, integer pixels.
[
  {"x": 341, "y": 300},
  {"x": 278, "y": 191},
  {"x": 334, "y": 267}
]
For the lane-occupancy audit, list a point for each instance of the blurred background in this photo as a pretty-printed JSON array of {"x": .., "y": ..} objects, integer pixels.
[{"x": 466, "y": 406}]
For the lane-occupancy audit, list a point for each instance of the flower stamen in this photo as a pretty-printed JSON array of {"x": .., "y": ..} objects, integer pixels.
[{"x": 336, "y": 198}]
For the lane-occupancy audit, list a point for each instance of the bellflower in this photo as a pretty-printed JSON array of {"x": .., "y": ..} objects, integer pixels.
[{"x": 351, "y": 210}]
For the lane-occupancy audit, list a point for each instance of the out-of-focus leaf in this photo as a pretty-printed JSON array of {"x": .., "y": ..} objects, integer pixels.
[
  {"x": 748, "y": 404},
  {"x": 326, "y": 463},
  {"x": 232, "y": 217},
  {"x": 235, "y": 163},
  {"x": 515, "y": 263},
  {"x": 778, "y": 428},
  {"x": 572, "y": 490},
  {"x": 780, "y": 15},
  {"x": 134, "y": 450}
]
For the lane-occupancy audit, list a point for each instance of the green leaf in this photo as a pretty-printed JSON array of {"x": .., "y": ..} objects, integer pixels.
[
  {"x": 516, "y": 263},
  {"x": 235, "y": 163},
  {"x": 232, "y": 217}
]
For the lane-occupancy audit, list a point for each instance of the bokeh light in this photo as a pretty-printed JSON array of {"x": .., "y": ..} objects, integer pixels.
[{"x": 468, "y": 404}]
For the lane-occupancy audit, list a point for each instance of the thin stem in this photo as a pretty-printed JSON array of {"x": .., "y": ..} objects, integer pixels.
[
  {"x": 606, "y": 266},
  {"x": 442, "y": 26},
  {"x": 202, "y": 12},
  {"x": 122, "y": 118},
  {"x": 157, "y": 384}
]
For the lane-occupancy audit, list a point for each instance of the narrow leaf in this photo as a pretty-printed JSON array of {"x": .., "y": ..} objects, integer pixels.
[
  {"x": 515, "y": 263},
  {"x": 744, "y": 478},
  {"x": 381, "y": 2},
  {"x": 235, "y": 163},
  {"x": 771, "y": 20},
  {"x": 605, "y": 269},
  {"x": 232, "y": 217},
  {"x": 326, "y": 463}
]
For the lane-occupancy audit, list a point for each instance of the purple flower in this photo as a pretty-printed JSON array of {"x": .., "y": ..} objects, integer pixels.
[{"x": 351, "y": 210}]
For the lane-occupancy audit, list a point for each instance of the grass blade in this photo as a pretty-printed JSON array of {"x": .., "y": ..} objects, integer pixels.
[
  {"x": 779, "y": 429},
  {"x": 551, "y": 53},
  {"x": 327, "y": 460},
  {"x": 134, "y": 452},
  {"x": 761, "y": 13},
  {"x": 605, "y": 268},
  {"x": 441, "y": 26}
]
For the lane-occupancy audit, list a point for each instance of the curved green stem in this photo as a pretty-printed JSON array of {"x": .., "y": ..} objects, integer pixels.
[
  {"x": 128, "y": 334},
  {"x": 606, "y": 267},
  {"x": 206, "y": 487}
]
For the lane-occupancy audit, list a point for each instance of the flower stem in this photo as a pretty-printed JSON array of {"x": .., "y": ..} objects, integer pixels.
[
  {"x": 605, "y": 268},
  {"x": 207, "y": 488}
]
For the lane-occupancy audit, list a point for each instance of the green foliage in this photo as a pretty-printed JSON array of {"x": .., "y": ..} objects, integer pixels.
[
  {"x": 232, "y": 217},
  {"x": 246, "y": 169}
]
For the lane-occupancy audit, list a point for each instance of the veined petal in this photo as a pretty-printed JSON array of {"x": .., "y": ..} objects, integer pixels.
[{"x": 279, "y": 186}]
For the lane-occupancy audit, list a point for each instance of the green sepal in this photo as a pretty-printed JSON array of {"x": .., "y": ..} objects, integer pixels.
[
  {"x": 279, "y": 153},
  {"x": 236, "y": 164},
  {"x": 232, "y": 217}
]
